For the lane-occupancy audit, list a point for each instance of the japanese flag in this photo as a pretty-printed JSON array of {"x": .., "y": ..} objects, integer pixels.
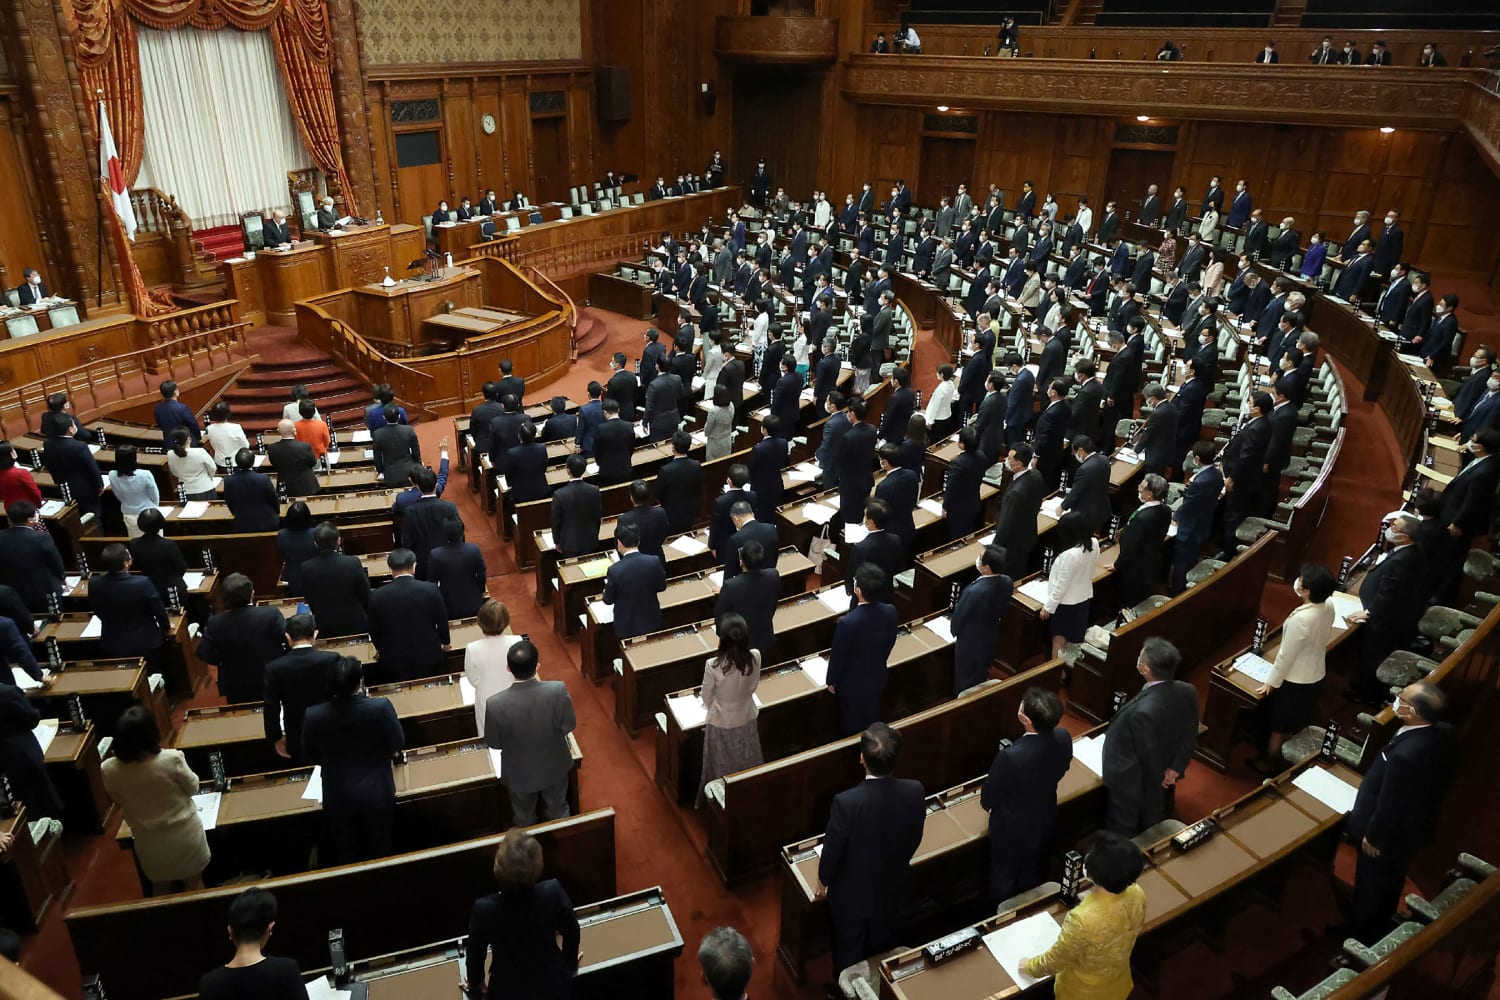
[{"x": 113, "y": 173}]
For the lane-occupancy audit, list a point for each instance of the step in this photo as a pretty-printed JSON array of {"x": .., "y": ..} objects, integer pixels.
[
  {"x": 253, "y": 406},
  {"x": 328, "y": 386},
  {"x": 260, "y": 375}
]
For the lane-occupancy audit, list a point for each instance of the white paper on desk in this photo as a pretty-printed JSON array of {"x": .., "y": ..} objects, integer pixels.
[
  {"x": 1089, "y": 751},
  {"x": 641, "y": 431},
  {"x": 855, "y": 533},
  {"x": 51, "y": 508},
  {"x": 818, "y": 513},
  {"x": 836, "y": 599},
  {"x": 547, "y": 542},
  {"x": 804, "y": 473},
  {"x": 93, "y": 449},
  {"x": 193, "y": 580},
  {"x": 1343, "y": 606},
  {"x": 1257, "y": 668},
  {"x": 45, "y": 732},
  {"x": 71, "y": 582},
  {"x": 466, "y": 691},
  {"x": 495, "y": 762},
  {"x": 94, "y": 629},
  {"x": 688, "y": 545},
  {"x": 314, "y": 790},
  {"x": 1329, "y": 789},
  {"x": 932, "y": 506},
  {"x": 218, "y": 482},
  {"x": 689, "y": 711},
  {"x": 941, "y": 626},
  {"x": 1128, "y": 455},
  {"x": 321, "y": 989},
  {"x": 752, "y": 386},
  {"x": 332, "y": 457},
  {"x": 603, "y": 613},
  {"x": 592, "y": 469},
  {"x": 207, "y": 804},
  {"x": 699, "y": 437},
  {"x": 360, "y": 437},
  {"x": 260, "y": 460},
  {"x": 1020, "y": 940},
  {"x": 987, "y": 539},
  {"x": 195, "y": 509},
  {"x": 716, "y": 579},
  {"x": 165, "y": 512},
  {"x": 1053, "y": 508},
  {"x": 816, "y": 668},
  {"x": 369, "y": 453},
  {"x": 1035, "y": 589},
  {"x": 818, "y": 849}
]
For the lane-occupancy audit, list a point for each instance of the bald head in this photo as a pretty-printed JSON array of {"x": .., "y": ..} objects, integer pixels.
[{"x": 286, "y": 429}]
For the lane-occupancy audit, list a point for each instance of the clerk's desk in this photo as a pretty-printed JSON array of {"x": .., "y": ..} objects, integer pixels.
[
  {"x": 761, "y": 808},
  {"x": 183, "y": 671},
  {"x": 653, "y": 665},
  {"x": 688, "y": 598},
  {"x": 622, "y": 294},
  {"x": 950, "y": 869},
  {"x": 271, "y": 281},
  {"x": 627, "y": 947},
  {"x": 444, "y": 793},
  {"x": 395, "y": 318},
  {"x": 797, "y": 712},
  {"x": 431, "y": 709},
  {"x": 1264, "y": 836},
  {"x": 436, "y": 889}
]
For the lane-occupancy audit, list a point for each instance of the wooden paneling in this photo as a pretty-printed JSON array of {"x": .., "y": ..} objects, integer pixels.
[
  {"x": 778, "y": 120},
  {"x": 20, "y": 242}
]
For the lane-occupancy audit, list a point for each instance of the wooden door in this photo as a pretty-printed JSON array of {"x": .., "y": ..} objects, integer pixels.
[
  {"x": 946, "y": 163},
  {"x": 1131, "y": 171},
  {"x": 549, "y": 144}
]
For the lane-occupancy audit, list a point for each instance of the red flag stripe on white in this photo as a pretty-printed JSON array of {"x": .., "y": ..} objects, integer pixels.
[{"x": 113, "y": 173}]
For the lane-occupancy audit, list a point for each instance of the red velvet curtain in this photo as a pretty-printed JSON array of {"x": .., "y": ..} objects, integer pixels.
[{"x": 109, "y": 60}]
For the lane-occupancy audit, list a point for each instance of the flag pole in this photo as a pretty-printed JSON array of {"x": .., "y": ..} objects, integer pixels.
[{"x": 99, "y": 138}]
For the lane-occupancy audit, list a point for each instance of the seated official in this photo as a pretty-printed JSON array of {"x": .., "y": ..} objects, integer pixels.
[
  {"x": 1091, "y": 958},
  {"x": 294, "y": 683},
  {"x": 408, "y": 623},
  {"x": 484, "y": 658},
  {"x": 353, "y": 737},
  {"x": 527, "y": 930},
  {"x": 327, "y": 217},
  {"x": 250, "y": 496},
  {"x": 241, "y": 640},
  {"x": 441, "y": 214},
  {"x": 633, "y": 584},
  {"x": 275, "y": 233},
  {"x": 725, "y": 958},
  {"x": 251, "y": 973},
  {"x": 529, "y": 723},
  {"x": 32, "y": 291},
  {"x": 154, "y": 788}
]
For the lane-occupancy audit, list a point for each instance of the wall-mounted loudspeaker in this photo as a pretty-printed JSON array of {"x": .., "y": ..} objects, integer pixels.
[{"x": 614, "y": 93}]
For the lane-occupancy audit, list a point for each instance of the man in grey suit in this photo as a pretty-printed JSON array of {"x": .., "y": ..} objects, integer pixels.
[
  {"x": 529, "y": 723},
  {"x": 1150, "y": 742}
]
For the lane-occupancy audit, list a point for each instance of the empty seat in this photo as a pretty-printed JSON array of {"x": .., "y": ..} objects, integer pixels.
[
  {"x": 1367, "y": 955},
  {"x": 1323, "y": 989}
]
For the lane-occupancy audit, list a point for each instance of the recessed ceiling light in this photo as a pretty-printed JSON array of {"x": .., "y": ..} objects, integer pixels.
[
  {"x": 942, "y": 107},
  {"x": 1143, "y": 118},
  {"x": 1386, "y": 129}
]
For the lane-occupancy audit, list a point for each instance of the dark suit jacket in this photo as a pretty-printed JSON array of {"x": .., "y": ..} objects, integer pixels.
[
  {"x": 677, "y": 489},
  {"x": 1246, "y": 453},
  {"x": 632, "y": 585},
  {"x": 623, "y": 388},
  {"x": 154, "y": 557},
  {"x": 70, "y": 461},
  {"x": 1015, "y": 526},
  {"x": 1391, "y": 306},
  {"x": 240, "y": 642},
  {"x": 786, "y": 402},
  {"x": 899, "y": 489},
  {"x": 521, "y": 930},
  {"x": 1469, "y": 500},
  {"x": 663, "y": 397},
  {"x": 1401, "y": 795},
  {"x": 1351, "y": 281},
  {"x": 409, "y": 628},
  {"x": 31, "y": 564},
  {"x": 1019, "y": 406},
  {"x": 458, "y": 570},
  {"x": 275, "y": 233},
  {"x": 753, "y": 596},
  {"x": 252, "y": 501},
  {"x": 293, "y": 463},
  {"x": 1143, "y": 541},
  {"x": 1123, "y": 378},
  {"x": 898, "y": 411},
  {"x": 577, "y": 511},
  {"x": 397, "y": 451},
  {"x": 1390, "y": 590},
  {"x": 613, "y": 443},
  {"x": 1155, "y": 730},
  {"x": 1195, "y": 515},
  {"x": 422, "y": 527},
  {"x": 479, "y": 425},
  {"x": 874, "y": 829},
  {"x": 990, "y": 425},
  {"x": 130, "y": 612},
  {"x": 855, "y": 462},
  {"x": 526, "y": 473},
  {"x": 858, "y": 663},
  {"x": 886, "y": 550},
  {"x": 767, "y": 459},
  {"x": 1088, "y": 415},
  {"x": 353, "y": 740},
  {"x": 1472, "y": 390},
  {"x": 1020, "y": 792},
  {"x": 976, "y": 628},
  {"x": 961, "y": 490},
  {"x": 1051, "y": 432},
  {"x": 1141, "y": 276},
  {"x": 294, "y": 683},
  {"x": 1279, "y": 445},
  {"x": 753, "y": 531},
  {"x": 654, "y": 528},
  {"x": 1157, "y": 443},
  {"x": 1089, "y": 494},
  {"x": 338, "y": 592}
]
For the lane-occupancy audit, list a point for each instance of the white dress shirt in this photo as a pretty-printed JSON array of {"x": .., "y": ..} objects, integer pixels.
[
  {"x": 940, "y": 403},
  {"x": 1072, "y": 578}
]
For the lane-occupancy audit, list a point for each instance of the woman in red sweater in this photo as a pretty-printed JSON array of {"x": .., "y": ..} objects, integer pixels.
[{"x": 15, "y": 482}]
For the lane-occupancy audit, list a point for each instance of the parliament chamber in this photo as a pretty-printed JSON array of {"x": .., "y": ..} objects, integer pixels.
[{"x": 970, "y": 376}]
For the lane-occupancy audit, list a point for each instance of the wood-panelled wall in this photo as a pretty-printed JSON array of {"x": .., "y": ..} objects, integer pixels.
[{"x": 20, "y": 235}]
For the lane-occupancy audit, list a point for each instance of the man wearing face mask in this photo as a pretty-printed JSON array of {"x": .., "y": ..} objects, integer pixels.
[
  {"x": 1396, "y": 811},
  {"x": 1389, "y": 612},
  {"x": 32, "y": 291},
  {"x": 1195, "y": 515},
  {"x": 1143, "y": 540},
  {"x": 976, "y": 619},
  {"x": 1350, "y": 284},
  {"x": 327, "y": 217},
  {"x": 1389, "y": 244},
  {"x": 1020, "y": 794},
  {"x": 1239, "y": 209},
  {"x": 1390, "y": 309},
  {"x": 1244, "y": 460},
  {"x": 1437, "y": 346},
  {"x": 1481, "y": 368},
  {"x": 1468, "y": 502},
  {"x": 1150, "y": 742}
]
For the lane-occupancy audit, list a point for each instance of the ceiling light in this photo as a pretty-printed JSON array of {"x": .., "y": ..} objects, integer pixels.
[
  {"x": 1386, "y": 129},
  {"x": 942, "y": 107},
  {"x": 1143, "y": 118}
]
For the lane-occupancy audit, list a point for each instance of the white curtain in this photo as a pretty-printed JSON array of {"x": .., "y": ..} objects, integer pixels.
[{"x": 220, "y": 136}]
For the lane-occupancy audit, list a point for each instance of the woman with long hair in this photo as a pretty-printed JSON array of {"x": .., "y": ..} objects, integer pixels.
[
  {"x": 719, "y": 427},
  {"x": 731, "y": 736},
  {"x": 914, "y": 445},
  {"x": 294, "y": 543},
  {"x": 135, "y": 490}
]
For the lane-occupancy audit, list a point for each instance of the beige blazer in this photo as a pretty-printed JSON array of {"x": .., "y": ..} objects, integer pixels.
[
  {"x": 730, "y": 698},
  {"x": 1304, "y": 645},
  {"x": 156, "y": 796}
]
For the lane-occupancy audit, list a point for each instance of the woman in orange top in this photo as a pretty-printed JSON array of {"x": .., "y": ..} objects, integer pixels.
[{"x": 311, "y": 429}]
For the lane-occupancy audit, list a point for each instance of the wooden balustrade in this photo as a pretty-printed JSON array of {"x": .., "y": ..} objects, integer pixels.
[
  {"x": 334, "y": 336},
  {"x": 158, "y": 215},
  {"x": 570, "y": 310},
  {"x": 569, "y": 259},
  {"x": 503, "y": 248}
]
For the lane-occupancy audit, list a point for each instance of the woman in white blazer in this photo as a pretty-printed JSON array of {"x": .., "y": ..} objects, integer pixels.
[
  {"x": 1292, "y": 688},
  {"x": 1070, "y": 583}
]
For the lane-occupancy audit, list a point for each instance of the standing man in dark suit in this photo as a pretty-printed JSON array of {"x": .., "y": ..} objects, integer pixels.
[
  {"x": 295, "y": 682},
  {"x": 746, "y": 529},
  {"x": 529, "y": 723},
  {"x": 976, "y": 620},
  {"x": 1053, "y": 361},
  {"x": 457, "y": 568},
  {"x": 1390, "y": 606},
  {"x": 786, "y": 398},
  {"x": 1087, "y": 405},
  {"x": 1089, "y": 494},
  {"x": 591, "y": 415},
  {"x": 721, "y": 520},
  {"x": 1396, "y": 811},
  {"x": 250, "y": 496},
  {"x": 1481, "y": 365},
  {"x": 577, "y": 508},
  {"x": 294, "y": 463},
  {"x": 1052, "y": 432},
  {"x": 423, "y": 521},
  {"x": 858, "y": 660},
  {"x": 1019, "y": 405},
  {"x": 1240, "y": 208},
  {"x": 1244, "y": 463},
  {"x": 479, "y": 419},
  {"x": 1015, "y": 526},
  {"x": 899, "y": 489},
  {"x": 70, "y": 462},
  {"x": 353, "y": 737},
  {"x": 663, "y": 399},
  {"x": 242, "y": 640},
  {"x": 29, "y": 561},
  {"x": 336, "y": 585},
  {"x": 1418, "y": 317},
  {"x": 614, "y": 441},
  {"x": 632, "y": 585},
  {"x": 171, "y": 413},
  {"x": 1143, "y": 543},
  {"x": 753, "y": 593},
  {"x": 1195, "y": 514},
  {"x": 1020, "y": 794},
  {"x": 1278, "y": 446},
  {"x": 874, "y": 829},
  {"x": 133, "y": 620},
  {"x": 767, "y": 459},
  {"x": 1123, "y": 377},
  {"x": 1177, "y": 212},
  {"x": 408, "y": 623},
  {"x": 1390, "y": 308},
  {"x": 678, "y": 485},
  {"x": 1350, "y": 284},
  {"x": 1156, "y": 440},
  {"x": 976, "y": 370},
  {"x": 989, "y": 425},
  {"x": 1150, "y": 742},
  {"x": 1468, "y": 505},
  {"x": 856, "y": 463},
  {"x": 622, "y": 387},
  {"x": 396, "y": 448},
  {"x": 881, "y": 548},
  {"x": 1390, "y": 244},
  {"x": 962, "y": 483},
  {"x": 1214, "y": 197}
]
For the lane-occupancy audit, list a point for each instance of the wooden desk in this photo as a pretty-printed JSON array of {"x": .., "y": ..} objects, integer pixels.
[
  {"x": 393, "y": 317},
  {"x": 437, "y": 888},
  {"x": 797, "y": 713},
  {"x": 275, "y": 279},
  {"x": 1024, "y": 638},
  {"x": 358, "y": 254},
  {"x": 180, "y": 666},
  {"x": 621, "y": 295},
  {"x": 104, "y": 688},
  {"x": 73, "y": 765}
]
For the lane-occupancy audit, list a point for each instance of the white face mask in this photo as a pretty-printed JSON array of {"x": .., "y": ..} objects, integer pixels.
[
  {"x": 1396, "y": 706},
  {"x": 1297, "y": 588},
  {"x": 1476, "y": 362},
  {"x": 1493, "y": 385},
  {"x": 34, "y": 279},
  {"x": 1390, "y": 220},
  {"x": 979, "y": 563},
  {"x": 1392, "y": 535}
]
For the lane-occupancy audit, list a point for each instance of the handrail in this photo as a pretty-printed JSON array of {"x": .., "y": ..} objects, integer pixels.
[
  {"x": 84, "y": 382},
  {"x": 567, "y": 259},
  {"x": 157, "y": 212},
  {"x": 369, "y": 363},
  {"x": 570, "y": 313}
]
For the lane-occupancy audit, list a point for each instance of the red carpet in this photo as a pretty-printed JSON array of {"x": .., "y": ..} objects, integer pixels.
[
  {"x": 221, "y": 242},
  {"x": 257, "y": 398}
]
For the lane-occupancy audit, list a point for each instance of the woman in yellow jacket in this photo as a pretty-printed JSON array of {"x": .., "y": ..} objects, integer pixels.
[{"x": 1091, "y": 958}]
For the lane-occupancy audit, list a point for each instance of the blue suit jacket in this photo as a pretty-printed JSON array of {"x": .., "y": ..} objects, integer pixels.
[
  {"x": 171, "y": 414},
  {"x": 1195, "y": 516},
  {"x": 631, "y": 586},
  {"x": 1239, "y": 209},
  {"x": 857, "y": 663},
  {"x": 1020, "y": 792},
  {"x": 1399, "y": 801},
  {"x": 1018, "y": 406},
  {"x": 353, "y": 740}
]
